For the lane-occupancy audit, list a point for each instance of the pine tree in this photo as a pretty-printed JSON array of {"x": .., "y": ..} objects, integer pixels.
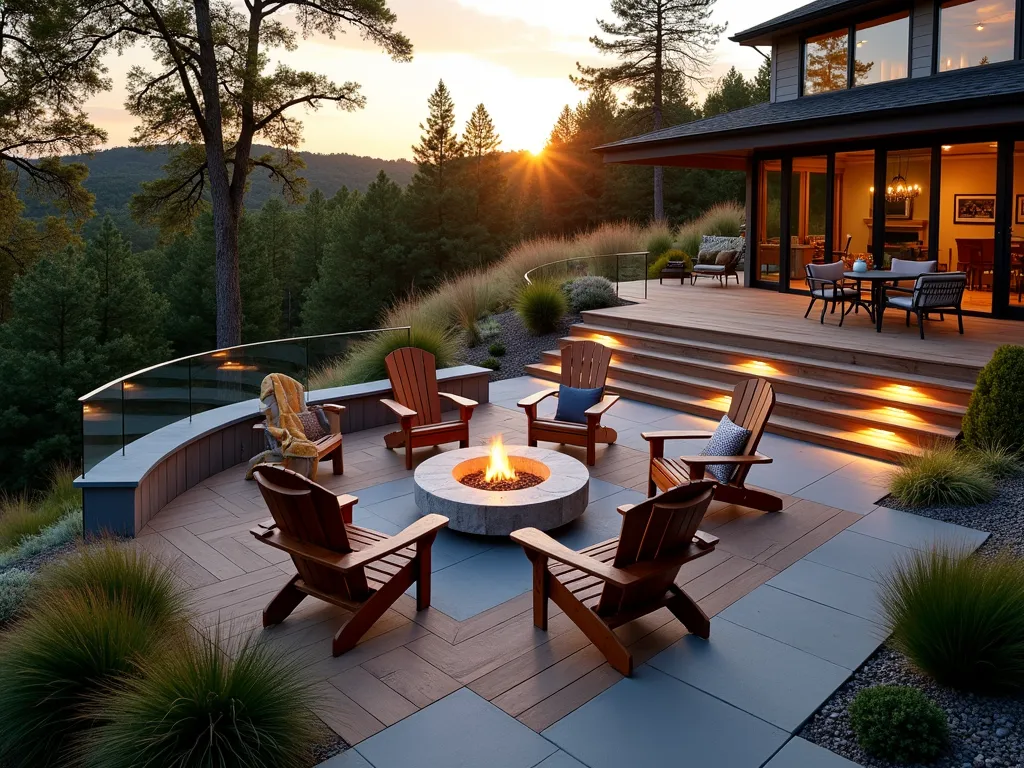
[
  {"x": 826, "y": 68},
  {"x": 310, "y": 236},
  {"x": 731, "y": 92},
  {"x": 653, "y": 38},
  {"x": 565, "y": 128},
  {"x": 48, "y": 358},
  {"x": 488, "y": 185},
  {"x": 129, "y": 313},
  {"x": 368, "y": 256},
  {"x": 761, "y": 89},
  {"x": 274, "y": 225}
]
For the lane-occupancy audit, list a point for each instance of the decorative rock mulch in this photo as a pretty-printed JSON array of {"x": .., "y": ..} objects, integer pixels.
[
  {"x": 521, "y": 349},
  {"x": 985, "y": 731},
  {"x": 331, "y": 745},
  {"x": 1003, "y": 517}
]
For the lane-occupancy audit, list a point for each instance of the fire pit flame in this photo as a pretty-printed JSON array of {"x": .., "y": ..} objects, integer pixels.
[{"x": 499, "y": 467}]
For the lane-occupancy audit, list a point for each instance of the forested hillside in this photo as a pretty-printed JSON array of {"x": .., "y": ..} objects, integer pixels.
[{"x": 116, "y": 174}]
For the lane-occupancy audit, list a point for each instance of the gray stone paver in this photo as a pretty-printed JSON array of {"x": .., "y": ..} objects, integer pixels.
[
  {"x": 836, "y": 589},
  {"x": 909, "y": 530},
  {"x": 766, "y": 678},
  {"x": 829, "y": 634},
  {"x": 652, "y": 720},
  {"x": 800, "y": 753},
  {"x": 861, "y": 555},
  {"x": 460, "y": 730}
]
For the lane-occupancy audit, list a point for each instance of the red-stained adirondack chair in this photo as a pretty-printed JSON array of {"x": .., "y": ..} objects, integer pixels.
[
  {"x": 358, "y": 569},
  {"x": 417, "y": 404},
  {"x": 584, "y": 366},
  {"x": 752, "y": 403},
  {"x": 609, "y": 584}
]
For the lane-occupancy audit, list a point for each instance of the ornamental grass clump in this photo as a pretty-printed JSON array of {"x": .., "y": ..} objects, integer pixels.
[
  {"x": 22, "y": 516},
  {"x": 57, "y": 660},
  {"x": 199, "y": 706},
  {"x": 898, "y": 723},
  {"x": 998, "y": 462},
  {"x": 541, "y": 306},
  {"x": 942, "y": 476},
  {"x": 122, "y": 574},
  {"x": 959, "y": 618}
]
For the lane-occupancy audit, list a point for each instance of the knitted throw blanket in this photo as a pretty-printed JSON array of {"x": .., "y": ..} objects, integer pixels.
[{"x": 283, "y": 399}]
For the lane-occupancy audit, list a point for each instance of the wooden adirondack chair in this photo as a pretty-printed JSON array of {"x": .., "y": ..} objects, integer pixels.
[
  {"x": 356, "y": 568},
  {"x": 752, "y": 403},
  {"x": 417, "y": 404},
  {"x": 612, "y": 583},
  {"x": 584, "y": 366},
  {"x": 328, "y": 445}
]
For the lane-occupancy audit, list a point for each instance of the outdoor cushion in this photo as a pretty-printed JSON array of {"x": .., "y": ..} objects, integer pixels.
[
  {"x": 725, "y": 258},
  {"x": 707, "y": 256},
  {"x": 709, "y": 268},
  {"x": 312, "y": 427},
  {"x": 834, "y": 293},
  {"x": 728, "y": 440},
  {"x": 573, "y": 403},
  {"x": 910, "y": 267},
  {"x": 833, "y": 271},
  {"x": 903, "y": 302}
]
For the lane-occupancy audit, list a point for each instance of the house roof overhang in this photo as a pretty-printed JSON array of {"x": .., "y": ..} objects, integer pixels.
[
  {"x": 810, "y": 15},
  {"x": 989, "y": 96}
]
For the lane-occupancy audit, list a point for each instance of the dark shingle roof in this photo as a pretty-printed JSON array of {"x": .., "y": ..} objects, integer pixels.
[
  {"x": 948, "y": 91},
  {"x": 804, "y": 13}
]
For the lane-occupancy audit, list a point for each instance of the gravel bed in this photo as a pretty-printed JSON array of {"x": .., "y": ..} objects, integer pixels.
[
  {"x": 521, "y": 349},
  {"x": 1003, "y": 517},
  {"x": 331, "y": 745},
  {"x": 38, "y": 560},
  {"x": 984, "y": 731}
]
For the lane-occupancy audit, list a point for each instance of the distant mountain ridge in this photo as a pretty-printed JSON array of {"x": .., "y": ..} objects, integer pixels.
[{"x": 116, "y": 174}]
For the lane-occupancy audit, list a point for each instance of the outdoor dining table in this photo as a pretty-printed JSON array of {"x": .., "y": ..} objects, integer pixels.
[{"x": 877, "y": 278}]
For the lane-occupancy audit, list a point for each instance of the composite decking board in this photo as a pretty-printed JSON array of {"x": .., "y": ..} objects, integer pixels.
[{"x": 497, "y": 653}]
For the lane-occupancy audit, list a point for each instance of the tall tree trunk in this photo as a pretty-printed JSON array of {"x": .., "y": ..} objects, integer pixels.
[
  {"x": 659, "y": 81},
  {"x": 225, "y": 213}
]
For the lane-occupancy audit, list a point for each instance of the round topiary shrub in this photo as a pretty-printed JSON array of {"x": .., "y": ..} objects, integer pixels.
[
  {"x": 590, "y": 292},
  {"x": 898, "y": 723},
  {"x": 957, "y": 617},
  {"x": 541, "y": 306},
  {"x": 995, "y": 414},
  {"x": 654, "y": 271},
  {"x": 497, "y": 349},
  {"x": 493, "y": 363}
]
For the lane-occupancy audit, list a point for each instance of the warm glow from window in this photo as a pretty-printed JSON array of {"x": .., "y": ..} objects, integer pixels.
[
  {"x": 231, "y": 365},
  {"x": 219, "y": 354}
]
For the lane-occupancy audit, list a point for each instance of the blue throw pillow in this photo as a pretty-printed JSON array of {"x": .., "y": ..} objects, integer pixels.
[
  {"x": 728, "y": 440},
  {"x": 573, "y": 403}
]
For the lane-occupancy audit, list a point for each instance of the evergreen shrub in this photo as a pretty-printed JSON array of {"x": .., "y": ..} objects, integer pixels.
[
  {"x": 899, "y": 723},
  {"x": 995, "y": 414},
  {"x": 497, "y": 349},
  {"x": 14, "y": 589},
  {"x": 590, "y": 292}
]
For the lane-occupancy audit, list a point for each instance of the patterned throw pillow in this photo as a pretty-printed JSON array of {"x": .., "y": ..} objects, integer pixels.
[
  {"x": 311, "y": 426},
  {"x": 728, "y": 440},
  {"x": 707, "y": 256}
]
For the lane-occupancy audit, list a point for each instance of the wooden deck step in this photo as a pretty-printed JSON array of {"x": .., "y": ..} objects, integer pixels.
[
  {"x": 675, "y": 372},
  {"x": 847, "y": 431},
  {"x": 859, "y": 375},
  {"x": 764, "y": 342}
]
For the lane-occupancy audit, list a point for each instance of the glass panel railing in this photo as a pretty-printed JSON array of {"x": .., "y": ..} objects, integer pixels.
[
  {"x": 627, "y": 271},
  {"x": 118, "y": 413}
]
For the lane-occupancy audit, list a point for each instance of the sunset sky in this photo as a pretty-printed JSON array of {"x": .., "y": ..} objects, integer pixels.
[{"x": 515, "y": 57}]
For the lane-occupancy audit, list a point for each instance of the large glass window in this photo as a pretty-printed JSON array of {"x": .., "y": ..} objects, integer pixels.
[
  {"x": 882, "y": 50},
  {"x": 974, "y": 32},
  {"x": 855, "y": 173},
  {"x": 826, "y": 60},
  {"x": 967, "y": 218},
  {"x": 1017, "y": 229},
  {"x": 769, "y": 245}
]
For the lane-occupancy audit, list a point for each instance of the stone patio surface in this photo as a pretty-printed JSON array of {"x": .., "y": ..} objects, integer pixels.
[{"x": 471, "y": 681}]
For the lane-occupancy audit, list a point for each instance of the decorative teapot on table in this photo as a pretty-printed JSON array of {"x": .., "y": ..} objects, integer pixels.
[{"x": 860, "y": 265}]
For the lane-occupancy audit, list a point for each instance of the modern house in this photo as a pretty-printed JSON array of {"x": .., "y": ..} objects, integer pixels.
[{"x": 894, "y": 129}]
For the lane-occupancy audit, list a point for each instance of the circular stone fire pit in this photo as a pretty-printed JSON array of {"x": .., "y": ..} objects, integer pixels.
[{"x": 560, "y": 497}]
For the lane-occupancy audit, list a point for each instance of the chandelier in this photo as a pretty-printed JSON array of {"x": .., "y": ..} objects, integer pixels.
[{"x": 899, "y": 189}]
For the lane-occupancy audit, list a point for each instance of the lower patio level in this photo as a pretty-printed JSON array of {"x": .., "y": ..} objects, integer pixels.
[{"x": 471, "y": 681}]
